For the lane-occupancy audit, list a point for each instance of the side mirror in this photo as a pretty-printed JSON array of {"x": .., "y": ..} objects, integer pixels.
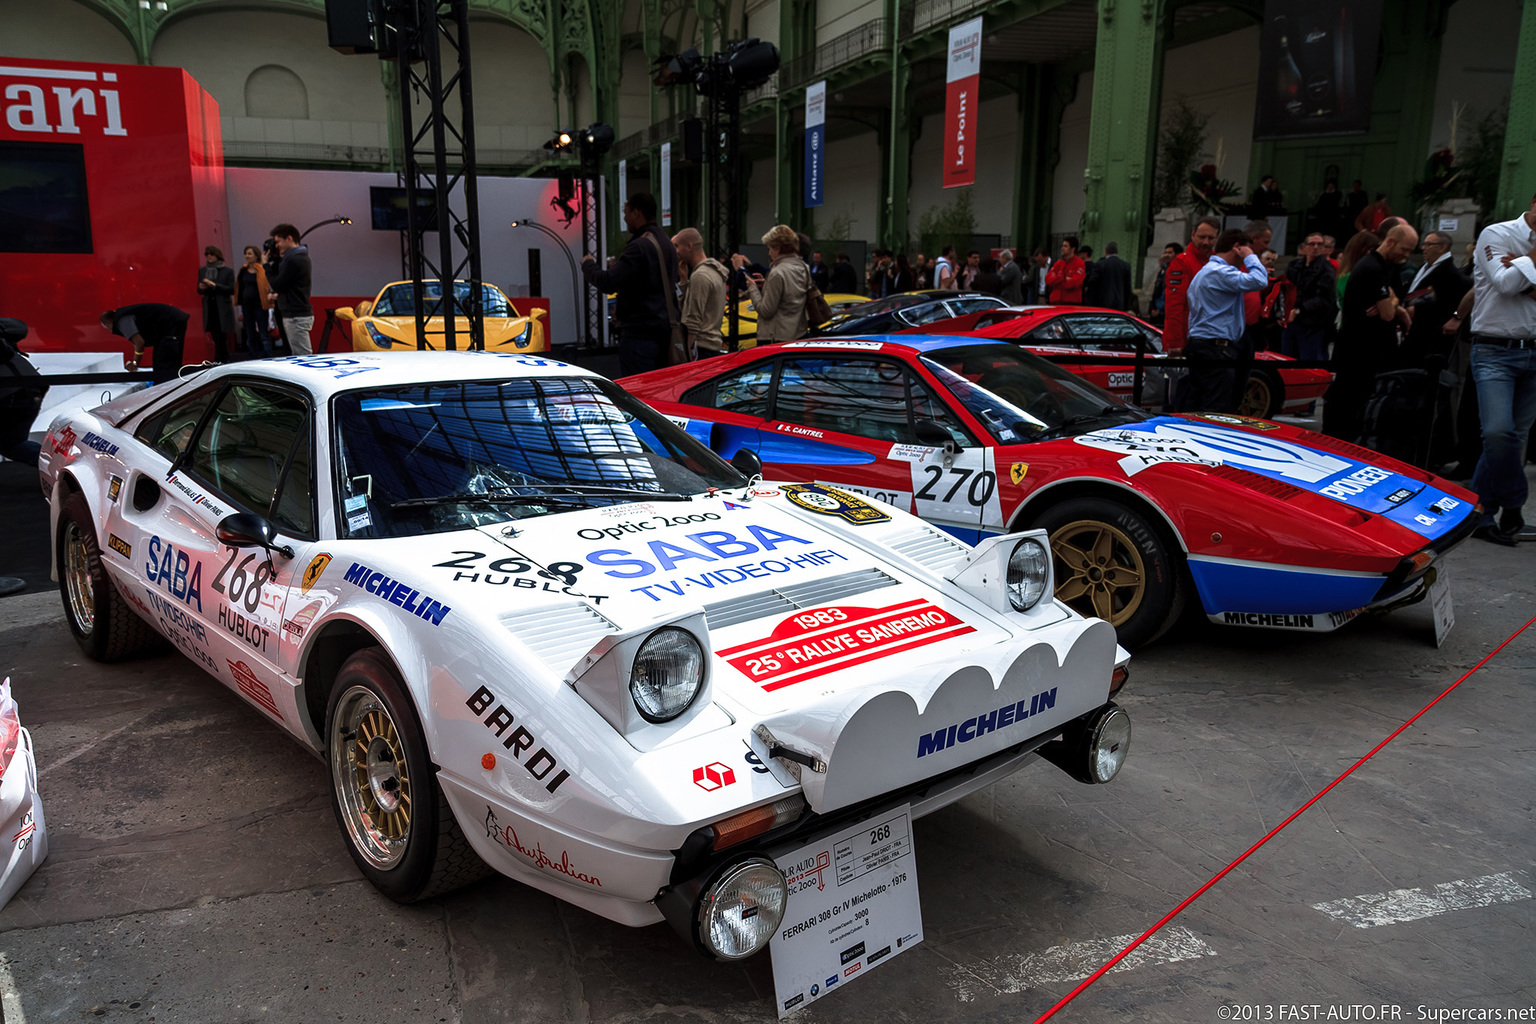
[
  {"x": 363, "y": 308},
  {"x": 346, "y": 314},
  {"x": 249, "y": 530},
  {"x": 747, "y": 463},
  {"x": 929, "y": 432}
]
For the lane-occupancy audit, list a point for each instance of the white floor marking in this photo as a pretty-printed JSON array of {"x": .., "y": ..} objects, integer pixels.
[
  {"x": 1015, "y": 972},
  {"x": 1401, "y": 905}
]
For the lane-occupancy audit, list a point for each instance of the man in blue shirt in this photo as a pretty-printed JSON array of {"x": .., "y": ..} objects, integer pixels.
[{"x": 1216, "y": 321}]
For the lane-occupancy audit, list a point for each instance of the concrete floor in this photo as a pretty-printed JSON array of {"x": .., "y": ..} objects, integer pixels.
[{"x": 196, "y": 872}]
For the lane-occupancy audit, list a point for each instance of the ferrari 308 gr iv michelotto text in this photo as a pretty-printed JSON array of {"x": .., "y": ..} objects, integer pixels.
[{"x": 532, "y": 624}]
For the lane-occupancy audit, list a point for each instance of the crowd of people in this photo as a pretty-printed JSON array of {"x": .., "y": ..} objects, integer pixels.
[{"x": 271, "y": 290}]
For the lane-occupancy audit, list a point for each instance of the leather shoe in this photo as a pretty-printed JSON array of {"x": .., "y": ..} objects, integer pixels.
[
  {"x": 1511, "y": 521},
  {"x": 1496, "y": 535}
]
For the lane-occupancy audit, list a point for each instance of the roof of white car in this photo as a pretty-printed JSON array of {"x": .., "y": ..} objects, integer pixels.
[{"x": 327, "y": 374}]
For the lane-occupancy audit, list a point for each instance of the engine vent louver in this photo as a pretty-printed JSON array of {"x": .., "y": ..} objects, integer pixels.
[
  {"x": 559, "y": 633},
  {"x": 782, "y": 600},
  {"x": 933, "y": 550}
]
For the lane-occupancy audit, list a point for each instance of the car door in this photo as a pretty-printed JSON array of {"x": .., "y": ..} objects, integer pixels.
[
  {"x": 853, "y": 422},
  {"x": 252, "y": 451}
]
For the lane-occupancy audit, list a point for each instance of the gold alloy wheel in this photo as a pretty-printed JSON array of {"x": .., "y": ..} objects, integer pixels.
[
  {"x": 1256, "y": 397},
  {"x": 1099, "y": 571},
  {"x": 372, "y": 777},
  {"x": 79, "y": 587}
]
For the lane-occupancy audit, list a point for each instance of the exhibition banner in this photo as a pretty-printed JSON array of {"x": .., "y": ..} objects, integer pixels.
[
  {"x": 962, "y": 96},
  {"x": 665, "y": 199},
  {"x": 815, "y": 141},
  {"x": 1317, "y": 62},
  {"x": 623, "y": 181}
]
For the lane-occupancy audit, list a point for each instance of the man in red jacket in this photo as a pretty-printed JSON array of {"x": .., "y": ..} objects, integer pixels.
[
  {"x": 1064, "y": 281},
  {"x": 1182, "y": 270}
]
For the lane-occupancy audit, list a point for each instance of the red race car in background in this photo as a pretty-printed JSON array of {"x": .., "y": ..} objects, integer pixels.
[
  {"x": 1262, "y": 524},
  {"x": 1054, "y": 331}
]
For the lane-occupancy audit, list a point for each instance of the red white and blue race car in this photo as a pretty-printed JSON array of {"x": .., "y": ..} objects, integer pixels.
[
  {"x": 1269, "y": 524},
  {"x": 1274, "y": 386}
]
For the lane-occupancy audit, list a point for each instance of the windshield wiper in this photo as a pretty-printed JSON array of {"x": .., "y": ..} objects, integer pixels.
[
  {"x": 568, "y": 495},
  {"x": 487, "y": 499},
  {"x": 1082, "y": 419}
]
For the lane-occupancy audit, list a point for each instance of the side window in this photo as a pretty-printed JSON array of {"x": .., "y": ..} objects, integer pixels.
[
  {"x": 1052, "y": 332},
  {"x": 926, "y": 407},
  {"x": 866, "y": 397},
  {"x": 246, "y": 446},
  {"x": 1105, "y": 333},
  {"x": 744, "y": 392},
  {"x": 926, "y": 314},
  {"x": 170, "y": 430}
]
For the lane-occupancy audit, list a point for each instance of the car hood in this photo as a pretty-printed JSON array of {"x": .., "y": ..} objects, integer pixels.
[{"x": 1308, "y": 461}]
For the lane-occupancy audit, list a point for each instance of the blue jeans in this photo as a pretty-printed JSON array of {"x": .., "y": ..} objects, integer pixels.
[{"x": 1506, "y": 402}]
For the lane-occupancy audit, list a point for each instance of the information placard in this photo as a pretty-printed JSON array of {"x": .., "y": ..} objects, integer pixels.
[{"x": 853, "y": 904}]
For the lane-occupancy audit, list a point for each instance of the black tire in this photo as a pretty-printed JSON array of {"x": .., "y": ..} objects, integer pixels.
[
  {"x": 398, "y": 826},
  {"x": 1095, "y": 540},
  {"x": 1264, "y": 396},
  {"x": 104, "y": 625}
]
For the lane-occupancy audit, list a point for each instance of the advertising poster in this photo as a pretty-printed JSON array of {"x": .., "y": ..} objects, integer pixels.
[
  {"x": 815, "y": 141},
  {"x": 1317, "y": 63},
  {"x": 961, "y": 102},
  {"x": 623, "y": 181}
]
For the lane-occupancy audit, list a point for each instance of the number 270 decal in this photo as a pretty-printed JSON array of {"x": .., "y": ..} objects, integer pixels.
[{"x": 982, "y": 484}]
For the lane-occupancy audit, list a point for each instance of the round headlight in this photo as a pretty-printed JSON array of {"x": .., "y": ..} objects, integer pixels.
[
  {"x": 742, "y": 910},
  {"x": 1028, "y": 573},
  {"x": 1110, "y": 742},
  {"x": 667, "y": 675}
]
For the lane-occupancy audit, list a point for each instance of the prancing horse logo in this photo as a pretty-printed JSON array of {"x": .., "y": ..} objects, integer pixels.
[{"x": 312, "y": 572}]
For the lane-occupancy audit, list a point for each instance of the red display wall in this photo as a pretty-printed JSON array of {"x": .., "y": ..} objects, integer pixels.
[{"x": 152, "y": 154}]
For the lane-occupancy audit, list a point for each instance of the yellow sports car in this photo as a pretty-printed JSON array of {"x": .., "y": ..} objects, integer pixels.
[
  {"x": 389, "y": 321},
  {"x": 746, "y": 317}
]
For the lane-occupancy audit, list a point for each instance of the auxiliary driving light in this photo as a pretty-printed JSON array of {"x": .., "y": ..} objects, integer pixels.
[
  {"x": 740, "y": 912},
  {"x": 1093, "y": 748},
  {"x": 1029, "y": 573}
]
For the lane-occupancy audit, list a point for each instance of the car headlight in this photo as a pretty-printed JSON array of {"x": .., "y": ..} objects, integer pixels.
[
  {"x": 667, "y": 675},
  {"x": 381, "y": 340},
  {"x": 1029, "y": 570},
  {"x": 523, "y": 336},
  {"x": 743, "y": 909}
]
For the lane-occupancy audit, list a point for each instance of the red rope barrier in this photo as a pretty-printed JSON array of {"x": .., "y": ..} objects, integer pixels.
[{"x": 1144, "y": 936}]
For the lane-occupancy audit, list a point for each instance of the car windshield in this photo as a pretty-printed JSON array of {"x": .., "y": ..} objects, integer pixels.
[
  {"x": 1020, "y": 397},
  {"x": 444, "y": 456},
  {"x": 400, "y": 300}
]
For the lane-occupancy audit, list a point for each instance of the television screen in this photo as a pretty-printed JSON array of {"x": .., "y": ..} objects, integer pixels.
[
  {"x": 43, "y": 201},
  {"x": 387, "y": 205}
]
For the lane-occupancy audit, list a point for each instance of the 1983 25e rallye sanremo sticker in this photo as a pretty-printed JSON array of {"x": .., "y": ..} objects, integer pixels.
[{"x": 852, "y": 906}]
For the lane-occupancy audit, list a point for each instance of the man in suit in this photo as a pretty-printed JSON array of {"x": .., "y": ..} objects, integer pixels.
[
  {"x": 1114, "y": 279},
  {"x": 1433, "y": 296}
]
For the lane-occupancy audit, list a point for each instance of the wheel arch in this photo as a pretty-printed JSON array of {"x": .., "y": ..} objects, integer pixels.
[
  {"x": 336, "y": 640},
  {"x": 1056, "y": 492},
  {"x": 63, "y": 487}
]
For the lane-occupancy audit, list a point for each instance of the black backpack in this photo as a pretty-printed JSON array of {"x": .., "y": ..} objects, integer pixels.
[{"x": 1400, "y": 416}]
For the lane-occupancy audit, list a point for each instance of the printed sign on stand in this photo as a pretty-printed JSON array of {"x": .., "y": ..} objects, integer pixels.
[
  {"x": 853, "y": 905},
  {"x": 666, "y": 184}
]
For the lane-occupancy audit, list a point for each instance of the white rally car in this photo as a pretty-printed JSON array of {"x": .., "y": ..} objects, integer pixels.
[{"x": 530, "y": 623}]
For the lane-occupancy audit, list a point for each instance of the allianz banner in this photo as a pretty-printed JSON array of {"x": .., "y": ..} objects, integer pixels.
[
  {"x": 962, "y": 98},
  {"x": 1317, "y": 63},
  {"x": 815, "y": 142}
]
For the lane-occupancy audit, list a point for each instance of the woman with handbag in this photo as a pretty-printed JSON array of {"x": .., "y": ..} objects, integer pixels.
[{"x": 780, "y": 297}]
